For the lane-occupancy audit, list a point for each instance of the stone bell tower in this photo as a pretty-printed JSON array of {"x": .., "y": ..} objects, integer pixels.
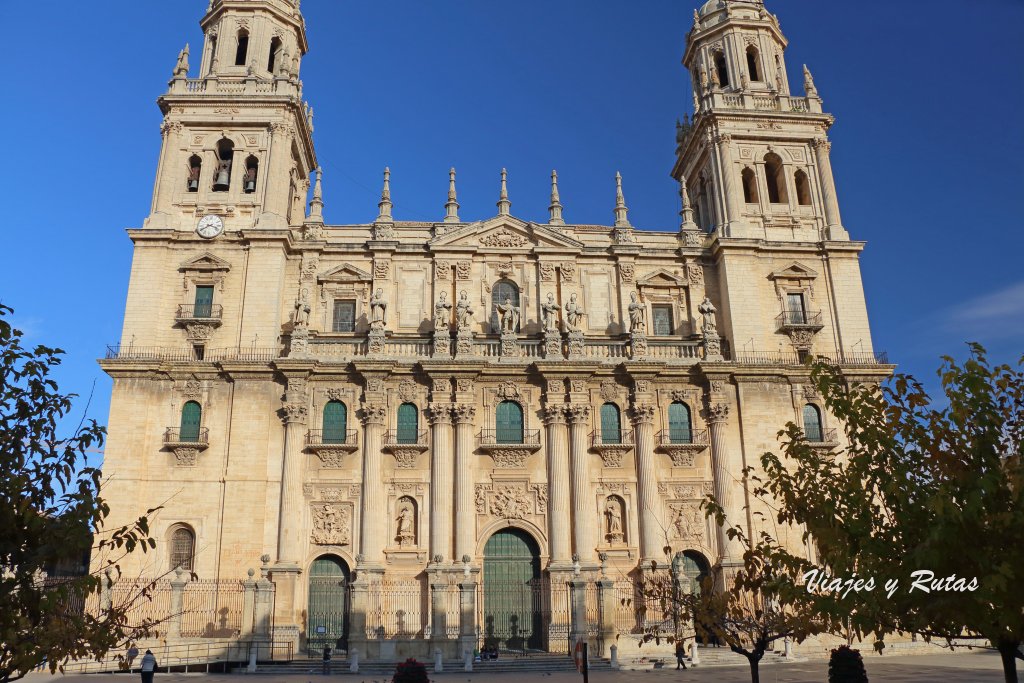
[
  {"x": 756, "y": 156},
  {"x": 237, "y": 140}
]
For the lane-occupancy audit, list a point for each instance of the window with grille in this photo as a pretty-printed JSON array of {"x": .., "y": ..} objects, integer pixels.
[
  {"x": 335, "y": 422},
  {"x": 344, "y": 315},
  {"x": 679, "y": 427},
  {"x": 611, "y": 424},
  {"x": 662, "y": 317},
  {"x": 408, "y": 423},
  {"x": 812, "y": 423},
  {"x": 183, "y": 545}
]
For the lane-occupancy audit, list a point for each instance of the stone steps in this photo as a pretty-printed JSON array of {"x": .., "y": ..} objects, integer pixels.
[{"x": 508, "y": 664}]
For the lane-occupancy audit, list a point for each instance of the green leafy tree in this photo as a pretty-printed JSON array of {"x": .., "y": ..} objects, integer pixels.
[
  {"x": 50, "y": 509},
  {"x": 920, "y": 488}
]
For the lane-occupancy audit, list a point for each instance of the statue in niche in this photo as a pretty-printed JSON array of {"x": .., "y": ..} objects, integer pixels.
[
  {"x": 573, "y": 314},
  {"x": 378, "y": 309},
  {"x": 708, "y": 310},
  {"x": 300, "y": 318},
  {"x": 463, "y": 312},
  {"x": 404, "y": 532},
  {"x": 614, "y": 516},
  {"x": 637, "y": 312},
  {"x": 509, "y": 316},
  {"x": 550, "y": 310},
  {"x": 442, "y": 313}
]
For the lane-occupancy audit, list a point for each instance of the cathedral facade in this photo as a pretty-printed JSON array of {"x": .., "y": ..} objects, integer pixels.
[{"x": 453, "y": 421}]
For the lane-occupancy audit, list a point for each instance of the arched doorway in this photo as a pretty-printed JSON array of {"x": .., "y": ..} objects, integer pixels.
[
  {"x": 328, "y": 606},
  {"x": 690, "y": 568},
  {"x": 512, "y": 592}
]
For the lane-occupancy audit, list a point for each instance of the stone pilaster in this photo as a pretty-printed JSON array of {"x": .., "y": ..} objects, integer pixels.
[
  {"x": 729, "y": 185},
  {"x": 822, "y": 147},
  {"x": 289, "y": 533},
  {"x": 373, "y": 517},
  {"x": 582, "y": 508},
  {"x": 717, "y": 416},
  {"x": 558, "y": 485},
  {"x": 465, "y": 511},
  {"x": 441, "y": 464},
  {"x": 647, "y": 482}
]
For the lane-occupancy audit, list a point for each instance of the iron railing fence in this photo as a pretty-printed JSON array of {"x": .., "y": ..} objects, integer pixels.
[
  {"x": 332, "y": 437},
  {"x": 397, "y": 609},
  {"x": 682, "y": 437},
  {"x": 212, "y": 608},
  {"x": 200, "y": 312},
  {"x": 405, "y": 437},
  {"x": 623, "y": 437},
  {"x": 509, "y": 436},
  {"x": 187, "y": 435}
]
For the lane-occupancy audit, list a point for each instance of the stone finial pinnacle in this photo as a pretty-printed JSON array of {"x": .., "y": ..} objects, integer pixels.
[
  {"x": 316, "y": 206},
  {"x": 452, "y": 206},
  {"x": 621, "y": 212},
  {"x": 555, "y": 210},
  {"x": 385, "y": 199},
  {"x": 687, "y": 212},
  {"x": 809, "y": 88},
  {"x": 503, "y": 203}
]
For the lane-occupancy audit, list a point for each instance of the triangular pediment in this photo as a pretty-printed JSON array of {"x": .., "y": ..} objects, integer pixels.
[
  {"x": 662, "y": 278},
  {"x": 505, "y": 233},
  {"x": 206, "y": 262},
  {"x": 794, "y": 271},
  {"x": 346, "y": 272}
]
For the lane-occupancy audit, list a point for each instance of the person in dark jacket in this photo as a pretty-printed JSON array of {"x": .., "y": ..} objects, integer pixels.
[
  {"x": 680, "y": 654},
  {"x": 148, "y": 667},
  {"x": 327, "y": 660}
]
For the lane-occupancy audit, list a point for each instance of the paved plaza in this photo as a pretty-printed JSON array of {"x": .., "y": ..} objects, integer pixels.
[{"x": 974, "y": 667}]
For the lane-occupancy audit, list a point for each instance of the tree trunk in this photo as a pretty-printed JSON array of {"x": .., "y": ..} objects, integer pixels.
[
  {"x": 1008, "y": 653},
  {"x": 755, "y": 674}
]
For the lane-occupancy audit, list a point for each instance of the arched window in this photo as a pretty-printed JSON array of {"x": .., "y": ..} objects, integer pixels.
[
  {"x": 611, "y": 424},
  {"x": 775, "y": 179},
  {"x": 679, "y": 426},
  {"x": 812, "y": 423},
  {"x": 195, "y": 169},
  {"x": 183, "y": 549},
  {"x": 803, "y": 188},
  {"x": 335, "y": 422},
  {"x": 408, "y": 423},
  {"x": 275, "y": 54},
  {"x": 252, "y": 168},
  {"x": 722, "y": 68},
  {"x": 749, "y": 186},
  {"x": 191, "y": 417},
  {"x": 754, "y": 64},
  {"x": 508, "y": 423},
  {"x": 225, "y": 154},
  {"x": 242, "y": 50}
]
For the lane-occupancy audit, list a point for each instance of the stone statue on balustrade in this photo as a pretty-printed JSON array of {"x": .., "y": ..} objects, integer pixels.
[
  {"x": 637, "y": 315},
  {"x": 442, "y": 313},
  {"x": 573, "y": 315},
  {"x": 463, "y": 313},
  {"x": 378, "y": 310},
  {"x": 300, "y": 317},
  {"x": 550, "y": 311},
  {"x": 508, "y": 314},
  {"x": 708, "y": 310}
]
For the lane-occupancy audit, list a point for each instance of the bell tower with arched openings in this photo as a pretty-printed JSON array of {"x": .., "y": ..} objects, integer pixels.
[
  {"x": 237, "y": 136},
  {"x": 755, "y": 157}
]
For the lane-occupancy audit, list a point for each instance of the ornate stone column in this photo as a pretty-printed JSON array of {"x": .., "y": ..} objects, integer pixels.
[
  {"x": 729, "y": 185},
  {"x": 465, "y": 512},
  {"x": 647, "y": 482},
  {"x": 582, "y": 505},
  {"x": 828, "y": 187},
  {"x": 440, "y": 415},
  {"x": 291, "y": 515},
  {"x": 275, "y": 207},
  {"x": 717, "y": 415},
  {"x": 373, "y": 517},
  {"x": 558, "y": 485}
]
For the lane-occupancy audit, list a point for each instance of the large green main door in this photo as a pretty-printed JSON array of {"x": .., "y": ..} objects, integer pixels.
[
  {"x": 513, "y": 593},
  {"x": 327, "y": 616}
]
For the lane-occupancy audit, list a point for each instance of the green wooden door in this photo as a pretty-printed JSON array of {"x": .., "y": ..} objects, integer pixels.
[
  {"x": 204, "y": 302},
  {"x": 610, "y": 424},
  {"x": 335, "y": 422},
  {"x": 509, "y": 423},
  {"x": 679, "y": 430},
  {"x": 191, "y": 417},
  {"x": 408, "y": 423},
  {"x": 513, "y": 597},
  {"x": 327, "y": 616}
]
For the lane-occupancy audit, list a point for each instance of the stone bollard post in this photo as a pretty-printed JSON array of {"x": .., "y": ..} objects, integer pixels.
[
  {"x": 789, "y": 648},
  {"x": 467, "y": 616},
  {"x": 694, "y": 654},
  {"x": 353, "y": 661},
  {"x": 614, "y": 649},
  {"x": 253, "y": 649},
  {"x": 248, "y": 605},
  {"x": 578, "y": 588},
  {"x": 467, "y": 660},
  {"x": 438, "y": 661}
]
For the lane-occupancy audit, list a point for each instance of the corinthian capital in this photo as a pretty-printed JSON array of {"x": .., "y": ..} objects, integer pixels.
[
  {"x": 294, "y": 412},
  {"x": 642, "y": 413},
  {"x": 463, "y": 413},
  {"x": 577, "y": 413},
  {"x": 373, "y": 414},
  {"x": 821, "y": 143},
  {"x": 439, "y": 413},
  {"x": 553, "y": 414},
  {"x": 717, "y": 412}
]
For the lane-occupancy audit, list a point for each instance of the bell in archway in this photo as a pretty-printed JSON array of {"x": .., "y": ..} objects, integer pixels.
[
  {"x": 222, "y": 181},
  {"x": 250, "y": 183}
]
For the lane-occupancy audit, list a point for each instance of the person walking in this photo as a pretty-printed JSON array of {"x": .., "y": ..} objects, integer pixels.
[
  {"x": 327, "y": 660},
  {"x": 132, "y": 653},
  {"x": 148, "y": 667},
  {"x": 680, "y": 654}
]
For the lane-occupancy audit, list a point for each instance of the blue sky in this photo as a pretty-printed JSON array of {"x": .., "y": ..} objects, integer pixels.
[{"x": 927, "y": 148}]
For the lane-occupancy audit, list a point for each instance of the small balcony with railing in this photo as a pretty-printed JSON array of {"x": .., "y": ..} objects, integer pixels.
[
  {"x": 611, "y": 445},
  {"x": 194, "y": 437},
  {"x": 682, "y": 444},
  {"x": 799, "y": 319},
  {"x": 210, "y": 314},
  {"x": 492, "y": 439},
  {"x": 332, "y": 440},
  {"x": 822, "y": 438}
]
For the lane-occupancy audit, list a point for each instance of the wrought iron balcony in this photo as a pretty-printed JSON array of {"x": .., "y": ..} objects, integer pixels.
[
  {"x": 792, "y": 358},
  {"x": 799, "y": 319},
  {"x": 406, "y": 438},
  {"x": 682, "y": 437},
  {"x": 317, "y": 439},
  {"x": 620, "y": 439},
  {"x": 176, "y": 436},
  {"x": 822, "y": 437},
  {"x": 491, "y": 439},
  {"x": 208, "y": 313}
]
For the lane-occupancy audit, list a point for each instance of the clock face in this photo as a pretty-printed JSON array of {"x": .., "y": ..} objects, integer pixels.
[{"x": 210, "y": 226}]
